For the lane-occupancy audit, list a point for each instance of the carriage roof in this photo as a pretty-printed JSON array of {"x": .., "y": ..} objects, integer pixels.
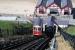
[{"x": 37, "y": 26}]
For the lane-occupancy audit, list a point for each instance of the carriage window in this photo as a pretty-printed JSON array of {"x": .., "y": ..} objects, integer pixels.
[
  {"x": 35, "y": 28},
  {"x": 39, "y": 29}
]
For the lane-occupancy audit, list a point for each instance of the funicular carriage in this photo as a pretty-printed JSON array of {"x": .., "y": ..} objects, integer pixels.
[{"x": 37, "y": 30}]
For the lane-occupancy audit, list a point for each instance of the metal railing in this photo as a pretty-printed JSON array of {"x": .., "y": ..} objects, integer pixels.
[{"x": 64, "y": 17}]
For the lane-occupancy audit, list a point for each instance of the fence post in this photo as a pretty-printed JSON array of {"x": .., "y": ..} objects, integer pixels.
[{"x": 56, "y": 29}]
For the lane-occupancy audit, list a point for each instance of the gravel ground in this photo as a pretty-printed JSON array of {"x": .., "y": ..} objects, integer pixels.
[{"x": 62, "y": 44}]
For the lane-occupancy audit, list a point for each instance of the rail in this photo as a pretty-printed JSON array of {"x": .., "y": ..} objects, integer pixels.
[
  {"x": 15, "y": 43},
  {"x": 38, "y": 44}
]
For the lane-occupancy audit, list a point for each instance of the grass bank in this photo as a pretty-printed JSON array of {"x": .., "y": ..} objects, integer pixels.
[
  {"x": 10, "y": 28},
  {"x": 70, "y": 30}
]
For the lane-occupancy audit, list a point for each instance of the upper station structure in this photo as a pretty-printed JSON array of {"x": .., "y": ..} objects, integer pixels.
[{"x": 59, "y": 7}]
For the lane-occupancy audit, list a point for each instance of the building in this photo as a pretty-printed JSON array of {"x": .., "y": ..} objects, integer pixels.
[
  {"x": 53, "y": 7},
  {"x": 59, "y": 7},
  {"x": 66, "y": 7},
  {"x": 41, "y": 7}
]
